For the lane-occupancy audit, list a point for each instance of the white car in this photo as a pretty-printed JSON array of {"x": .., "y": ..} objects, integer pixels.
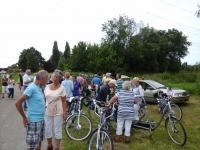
[{"x": 152, "y": 87}]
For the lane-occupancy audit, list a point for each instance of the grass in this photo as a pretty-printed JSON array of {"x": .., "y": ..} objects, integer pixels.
[{"x": 159, "y": 140}]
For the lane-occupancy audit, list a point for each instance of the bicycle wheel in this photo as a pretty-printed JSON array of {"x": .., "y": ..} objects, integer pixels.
[
  {"x": 100, "y": 141},
  {"x": 177, "y": 111},
  {"x": 112, "y": 124},
  {"x": 141, "y": 113},
  {"x": 78, "y": 131},
  {"x": 176, "y": 131}
]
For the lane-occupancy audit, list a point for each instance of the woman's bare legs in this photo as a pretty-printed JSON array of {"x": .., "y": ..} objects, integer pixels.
[
  {"x": 57, "y": 144},
  {"x": 50, "y": 144}
]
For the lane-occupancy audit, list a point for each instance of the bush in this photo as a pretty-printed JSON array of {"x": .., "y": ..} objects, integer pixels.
[
  {"x": 165, "y": 76},
  {"x": 187, "y": 77},
  {"x": 197, "y": 88}
]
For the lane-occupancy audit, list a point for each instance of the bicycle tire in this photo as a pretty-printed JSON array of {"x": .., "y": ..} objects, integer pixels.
[
  {"x": 171, "y": 124},
  {"x": 104, "y": 133},
  {"x": 177, "y": 110},
  {"x": 74, "y": 132},
  {"x": 141, "y": 113}
]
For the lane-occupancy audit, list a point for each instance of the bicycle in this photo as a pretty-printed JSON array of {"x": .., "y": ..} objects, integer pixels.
[
  {"x": 175, "y": 109},
  {"x": 100, "y": 139},
  {"x": 78, "y": 126},
  {"x": 174, "y": 127}
]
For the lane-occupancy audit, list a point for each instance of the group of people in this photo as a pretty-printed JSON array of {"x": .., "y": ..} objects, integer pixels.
[
  {"x": 128, "y": 95},
  {"x": 47, "y": 100},
  {"x": 7, "y": 83},
  {"x": 47, "y": 97}
]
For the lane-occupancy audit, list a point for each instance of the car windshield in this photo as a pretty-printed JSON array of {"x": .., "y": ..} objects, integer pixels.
[{"x": 157, "y": 85}]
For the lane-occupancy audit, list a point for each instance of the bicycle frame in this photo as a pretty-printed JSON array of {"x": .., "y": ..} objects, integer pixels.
[
  {"x": 149, "y": 125},
  {"x": 102, "y": 118}
]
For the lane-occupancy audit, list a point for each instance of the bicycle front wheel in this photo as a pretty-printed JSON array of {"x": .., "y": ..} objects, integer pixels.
[
  {"x": 78, "y": 127},
  {"x": 177, "y": 111},
  {"x": 141, "y": 113},
  {"x": 176, "y": 131},
  {"x": 100, "y": 140}
]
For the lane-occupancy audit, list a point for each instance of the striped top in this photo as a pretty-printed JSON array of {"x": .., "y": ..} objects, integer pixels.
[
  {"x": 126, "y": 105},
  {"x": 119, "y": 84}
]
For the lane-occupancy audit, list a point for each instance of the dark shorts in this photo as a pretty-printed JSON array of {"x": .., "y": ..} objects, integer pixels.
[{"x": 34, "y": 134}]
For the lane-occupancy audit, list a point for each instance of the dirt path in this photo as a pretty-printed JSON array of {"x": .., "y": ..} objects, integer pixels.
[{"x": 12, "y": 131}]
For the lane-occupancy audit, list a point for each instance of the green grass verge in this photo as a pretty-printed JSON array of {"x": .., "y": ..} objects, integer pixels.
[{"x": 140, "y": 139}]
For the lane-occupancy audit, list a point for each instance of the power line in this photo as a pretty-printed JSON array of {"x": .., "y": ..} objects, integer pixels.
[
  {"x": 182, "y": 24},
  {"x": 174, "y": 5}
]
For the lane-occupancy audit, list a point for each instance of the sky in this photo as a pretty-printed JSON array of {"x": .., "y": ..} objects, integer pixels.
[{"x": 38, "y": 23}]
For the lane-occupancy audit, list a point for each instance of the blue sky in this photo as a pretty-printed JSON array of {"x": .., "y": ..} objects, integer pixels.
[{"x": 26, "y": 23}]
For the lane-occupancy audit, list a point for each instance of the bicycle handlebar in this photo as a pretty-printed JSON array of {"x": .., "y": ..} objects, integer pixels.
[{"x": 103, "y": 108}]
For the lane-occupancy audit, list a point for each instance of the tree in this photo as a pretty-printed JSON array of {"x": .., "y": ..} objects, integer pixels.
[
  {"x": 119, "y": 31},
  {"x": 78, "y": 61},
  {"x": 55, "y": 55},
  {"x": 177, "y": 48},
  {"x": 62, "y": 64},
  {"x": 106, "y": 60},
  {"x": 49, "y": 66},
  {"x": 67, "y": 52},
  {"x": 118, "y": 34},
  {"x": 156, "y": 51},
  {"x": 31, "y": 58},
  {"x": 198, "y": 11}
]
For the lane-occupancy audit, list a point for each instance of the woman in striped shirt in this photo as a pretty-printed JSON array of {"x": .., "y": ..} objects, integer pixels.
[{"x": 126, "y": 112}]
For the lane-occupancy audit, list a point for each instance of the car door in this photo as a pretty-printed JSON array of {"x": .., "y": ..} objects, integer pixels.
[{"x": 148, "y": 91}]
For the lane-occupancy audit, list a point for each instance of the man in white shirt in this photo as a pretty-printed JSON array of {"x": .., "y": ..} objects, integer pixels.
[{"x": 27, "y": 79}]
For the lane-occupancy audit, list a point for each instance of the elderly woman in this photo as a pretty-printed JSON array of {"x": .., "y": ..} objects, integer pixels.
[
  {"x": 56, "y": 110},
  {"x": 125, "y": 114},
  {"x": 139, "y": 95}
]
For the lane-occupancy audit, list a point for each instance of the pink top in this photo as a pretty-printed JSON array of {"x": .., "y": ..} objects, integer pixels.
[{"x": 53, "y": 101}]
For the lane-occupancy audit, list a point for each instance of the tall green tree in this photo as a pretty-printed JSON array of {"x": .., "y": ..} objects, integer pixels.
[
  {"x": 118, "y": 33},
  {"x": 32, "y": 59},
  {"x": 177, "y": 48},
  {"x": 55, "y": 54},
  {"x": 66, "y": 53}
]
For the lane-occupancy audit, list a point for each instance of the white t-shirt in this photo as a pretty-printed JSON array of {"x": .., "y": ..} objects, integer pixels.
[
  {"x": 26, "y": 78},
  {"x": 138, "y": 91},
  {"x": 11, "y": 83},
  {"x": 53, "y": 100}
]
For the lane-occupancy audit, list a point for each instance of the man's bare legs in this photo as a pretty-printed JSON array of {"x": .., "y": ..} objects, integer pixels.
[{"x": 38, "y": 147}]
